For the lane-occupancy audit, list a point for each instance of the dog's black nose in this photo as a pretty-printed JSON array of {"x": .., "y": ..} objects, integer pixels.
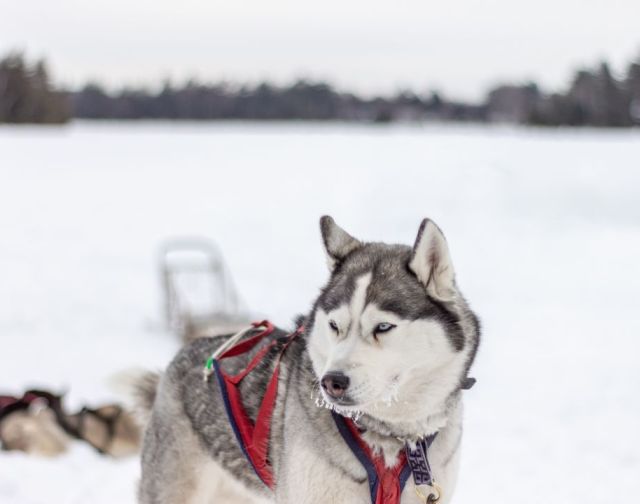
[{"x": 335, "y": 384}]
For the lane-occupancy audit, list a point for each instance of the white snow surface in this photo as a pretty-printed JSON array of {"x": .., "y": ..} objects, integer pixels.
[{"x": 543, "y": 225}]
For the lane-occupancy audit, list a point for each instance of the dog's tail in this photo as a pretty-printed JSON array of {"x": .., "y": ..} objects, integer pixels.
[
  {"x": 140, "y": 386},
  {"x": 144, "y": 393}
]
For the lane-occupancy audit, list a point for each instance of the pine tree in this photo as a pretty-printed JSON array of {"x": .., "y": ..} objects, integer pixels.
[{"x": 26, "y": 95}]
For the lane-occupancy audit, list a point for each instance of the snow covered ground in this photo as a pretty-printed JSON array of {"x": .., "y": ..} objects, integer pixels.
[{"x": 544, "y": 228}]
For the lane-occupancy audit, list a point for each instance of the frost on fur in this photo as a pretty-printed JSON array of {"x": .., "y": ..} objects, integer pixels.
[{"x": 321, "y": 402}]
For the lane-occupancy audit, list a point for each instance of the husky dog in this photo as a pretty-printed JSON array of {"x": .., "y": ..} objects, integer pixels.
[{"x": 389, "y": 343}]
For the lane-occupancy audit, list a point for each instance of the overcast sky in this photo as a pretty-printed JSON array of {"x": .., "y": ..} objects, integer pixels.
[{"x": 460, "y": 47}]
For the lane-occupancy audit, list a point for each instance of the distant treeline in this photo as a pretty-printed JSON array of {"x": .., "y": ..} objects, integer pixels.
[
  {"x": 594, "y": 98},
  {"x": 302, "y": 100}
]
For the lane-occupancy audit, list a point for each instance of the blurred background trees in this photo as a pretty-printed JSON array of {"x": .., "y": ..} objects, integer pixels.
[
  {"x": 595, "y": 97},
  {"x": 26, "y": 94}
]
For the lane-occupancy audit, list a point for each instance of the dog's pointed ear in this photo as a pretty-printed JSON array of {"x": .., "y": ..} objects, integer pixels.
[
  {"x": 431, "y": 263},
  {"x": 337, "y": 242}
]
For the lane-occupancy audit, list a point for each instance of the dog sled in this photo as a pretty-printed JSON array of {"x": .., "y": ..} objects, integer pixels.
[{"x": 200, "y": 298}]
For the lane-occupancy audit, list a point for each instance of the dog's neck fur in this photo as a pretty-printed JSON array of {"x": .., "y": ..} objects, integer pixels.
[
  {"x": 410, "y": 431},
  {"x": 407, "y": 431}
]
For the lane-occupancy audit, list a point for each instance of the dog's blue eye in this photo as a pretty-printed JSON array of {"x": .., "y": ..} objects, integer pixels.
[
  {"x": 333, "y": 325},
  {"x": 383, "y": 327}
]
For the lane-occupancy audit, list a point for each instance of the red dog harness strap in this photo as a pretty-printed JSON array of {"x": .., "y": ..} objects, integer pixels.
[
  {"x": 252, "y": 437},
  {"x": 9, "y": 404}
]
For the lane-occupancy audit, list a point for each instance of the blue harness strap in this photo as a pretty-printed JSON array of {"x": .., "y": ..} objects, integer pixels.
[{"x": 359, "y": 452}]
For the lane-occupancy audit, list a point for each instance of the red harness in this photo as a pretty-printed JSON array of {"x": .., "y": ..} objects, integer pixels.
[
  {"x": 9, "y": 404},
  {"x": 385, "y": 484}
]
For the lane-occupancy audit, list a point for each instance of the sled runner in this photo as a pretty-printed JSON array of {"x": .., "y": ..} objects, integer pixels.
[
  {"x": 385, "y": 484},
  {"x": 198, "y": 292}
]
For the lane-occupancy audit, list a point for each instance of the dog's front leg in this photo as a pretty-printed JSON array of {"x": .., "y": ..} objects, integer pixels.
[{"x": 307, "y": 477}]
